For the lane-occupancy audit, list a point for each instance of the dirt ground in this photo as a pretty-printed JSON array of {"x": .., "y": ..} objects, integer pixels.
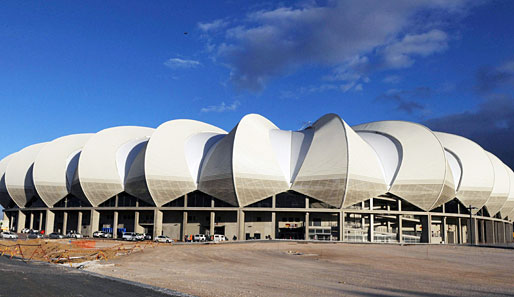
[{"x": 319, "y": 269}]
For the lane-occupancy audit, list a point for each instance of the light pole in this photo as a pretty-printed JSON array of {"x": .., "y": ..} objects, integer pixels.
[{"x": 471, "y": 225}]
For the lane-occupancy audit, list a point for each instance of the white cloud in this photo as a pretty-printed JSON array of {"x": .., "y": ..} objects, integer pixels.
[
  {"x": 221, "y": 107},
  {"x": 175, "y": 63},
  {"x": 274, "y": 42},
  {"x": 213, "y": 26},
  {"x": 400, "y": 54},
  {"x": 392, "y": 79}
]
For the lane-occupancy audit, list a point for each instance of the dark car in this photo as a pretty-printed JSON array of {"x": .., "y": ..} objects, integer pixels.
[
  {"x": 35, "y": 235},
  {"x": 55, "y": 236}
]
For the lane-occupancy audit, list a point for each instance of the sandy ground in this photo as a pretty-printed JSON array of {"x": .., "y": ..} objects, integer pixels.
[{"x": 309, "y": 269}]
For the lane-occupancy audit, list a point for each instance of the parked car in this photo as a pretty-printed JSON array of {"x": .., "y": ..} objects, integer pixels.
[
  {"x": 98, "y": 234},
  {"x": 34, "y": 235},
  {"x": 74, "y": 235},
  {"x": 55, "y": 236},
  {"x": 130, "y": 236},
  {"x": 107, "y": 235},
  {"x": 218, "y": 238},
  {"x": 25, "y": 230},
  {"x": 163, "y": 238},
  {"x": 140, "y": 236},
  {"x": 199, "y": 238},
  {"x": 9, "y": 235},
  {"x": 148, "y": 236}
]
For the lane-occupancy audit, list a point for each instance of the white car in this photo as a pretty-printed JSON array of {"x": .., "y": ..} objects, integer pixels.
[
  {"x": 98, "y": 234},
  {"x": 219, "y": 237},
  {"x": 163, "y": 238},
  {"x": 25, "y": 230},
  {"x": 9, "y": 235},
  {"x": 140, "y": 236},
  {"x": 130, "y": 236},
  {"x": 74, "y": 235}
]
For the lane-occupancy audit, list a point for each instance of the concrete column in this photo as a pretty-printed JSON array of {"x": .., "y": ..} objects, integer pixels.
[
  {"x": 212, "y": 202},
  {"x": 185, "y": 200},
  {"x": 79, "y": 222},
  {"x": 273, "y": 201},
  {"x": 157, "y": 223},
  {"x": 115, "y": 222},
  {"x": 399, "y": 235},
  {"x": 241, "y": 219},
  {"x": 212, "y": 222},
  {"x": 307, "y": 202},
  {"x": 426, "y": 228},
  {"x": 444, "y": 228},
  {"x": 504, "y": 233},
  {"x": 184, "y": 224},
  {"x": 11, "y": 221},
  {"x": 388, "y": 221},
  {"x": 482, "y": 231},
  {"x": 371, "y": 232},
  {"x": 341, "y": 226},
  {"x": 94, "y": 222},
  {"x": 40, "y": 221},
  {"x": 31, "y": 225},
  {"x": 459, "y": 230},
  {"x": 306, "y": 226},
  {"x": 489, "y": 232},
  {"x": 49, "y": 221},
  {"x": 273, "y": 224},
  {"x": 64, "y": 222},
  {"x": 21, "y": 221},
  {"x": 137, "y": 227}
]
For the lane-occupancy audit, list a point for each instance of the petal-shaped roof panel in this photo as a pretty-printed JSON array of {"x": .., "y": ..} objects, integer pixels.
[
  {"x": 174, "y": 155},
  {"x": 477, "y": 179},
  {"x": 257, "y": 171},
  {"x": 55, "y": 166},
  {"x": 106, "y": 159},
  {"x": 501, "y": 186},
  {"x": 423, "y": 178},
  {"x": 508, "y": 206},
  {"x": 5, "y": 198},
  {"x": 18, "y": 176},
  {"x": 339, "y": 165}
]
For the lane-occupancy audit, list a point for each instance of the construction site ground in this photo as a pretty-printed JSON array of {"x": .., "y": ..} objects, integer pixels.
[{"x": 276, "y": 268}]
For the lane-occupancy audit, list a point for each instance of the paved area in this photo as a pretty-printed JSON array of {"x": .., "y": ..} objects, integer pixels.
[
  {"x": 18, "y": 278},
  {"x": 320, "y": 269}
]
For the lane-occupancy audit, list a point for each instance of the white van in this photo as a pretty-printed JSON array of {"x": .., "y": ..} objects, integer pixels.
[
  {"x": 199, "y": 238},
  {"x": 219, "y": 237}
]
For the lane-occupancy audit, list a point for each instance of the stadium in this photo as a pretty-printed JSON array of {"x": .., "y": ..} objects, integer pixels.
[{"x": 386, "y": 181}]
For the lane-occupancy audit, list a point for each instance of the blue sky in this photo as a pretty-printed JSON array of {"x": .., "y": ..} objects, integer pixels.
[{"x": 84, "y": 66}]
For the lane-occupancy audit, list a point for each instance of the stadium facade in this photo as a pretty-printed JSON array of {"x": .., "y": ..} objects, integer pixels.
[{"x": 387, "y": 181}]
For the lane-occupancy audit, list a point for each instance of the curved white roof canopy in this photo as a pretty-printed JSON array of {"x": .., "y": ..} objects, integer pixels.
[
  {"x": 18, "y": 176},
  {"x": 173, "y": 157},
  {"x": 501, "y": 187},
  {"x": 106, "y": 159},
  {"x": 243, "y": 168},
  {"x": 477, "y": 172},
  {"x": 55, "y": 166},
  {"x": 5, "y": 198},
  {"x": 508, "y": 207},
  {"x": 424, "y": 178},
  {"x": 339, "y": 167}
]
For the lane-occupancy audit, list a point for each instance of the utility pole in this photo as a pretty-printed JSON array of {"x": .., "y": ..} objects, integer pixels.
[{"x": 471, "y": 225}]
